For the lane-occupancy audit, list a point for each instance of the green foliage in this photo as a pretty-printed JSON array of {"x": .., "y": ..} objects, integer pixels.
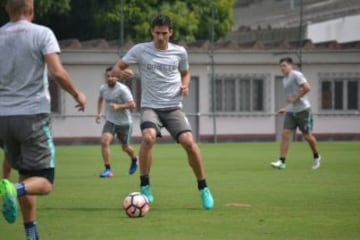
[
  {"x": 48, "y": 7},
  {"x": 192, "y": 19},
  {"x": 90, "y": 19}
]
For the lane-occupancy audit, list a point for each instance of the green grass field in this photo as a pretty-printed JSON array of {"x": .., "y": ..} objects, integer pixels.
[{"x": 252, "y": 200}]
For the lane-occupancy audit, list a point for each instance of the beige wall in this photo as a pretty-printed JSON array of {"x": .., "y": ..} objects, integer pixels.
[{"x": 87, "y": 67}]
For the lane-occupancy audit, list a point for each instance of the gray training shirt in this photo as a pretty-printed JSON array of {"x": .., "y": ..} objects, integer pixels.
[
  {"x": 23, "y": 73},
  {"x": 118, "y": 94},
  {"x": 160, "y": 73},
  {"x": 291, "y": 85}
]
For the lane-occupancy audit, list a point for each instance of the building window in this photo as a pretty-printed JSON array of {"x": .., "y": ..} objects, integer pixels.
[
  {"x": 340, "y": 91},
  {"x": 240, "y": 93}
]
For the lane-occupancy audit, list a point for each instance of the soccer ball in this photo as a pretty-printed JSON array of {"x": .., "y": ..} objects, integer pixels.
[{"x": 135, "y": 205}]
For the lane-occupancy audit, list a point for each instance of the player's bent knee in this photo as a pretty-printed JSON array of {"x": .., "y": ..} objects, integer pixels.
[
  {"x": 285, "y": 134},
  {"x": 148, "y": 139},
  {"x": 47, "y": 173}
]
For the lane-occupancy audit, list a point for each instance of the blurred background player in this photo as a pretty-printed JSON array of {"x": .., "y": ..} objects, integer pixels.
[
  {"x": 29, "y": 52},
  {"x": 165, "y": 79},
  {"x": 297, "y": 113},
  {"x": 118, "y": 101}
]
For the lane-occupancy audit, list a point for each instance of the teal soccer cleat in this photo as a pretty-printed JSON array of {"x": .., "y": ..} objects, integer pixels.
[
  {"x": 207, "y": 198},
  {"x": 10, "y": 205},
  {"x": 147, "y": 192}
]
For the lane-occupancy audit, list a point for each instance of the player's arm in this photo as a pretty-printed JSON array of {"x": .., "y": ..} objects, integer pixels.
[
  {"x": 100, "y": 108},
  {"x": 62, "y": 77},
  {"x": 304, "y": 88},
  {"x": 185, "y": 82},
  {"x": 121, "y": 70},
  {"x": 127, "y": 105}
]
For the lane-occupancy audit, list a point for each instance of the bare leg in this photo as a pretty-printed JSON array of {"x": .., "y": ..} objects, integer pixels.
[
  {"x": 129, "y": 150},
  {"x": 145, "y": 154},
  {"x": 310, "y": 138},
  {"x": 193, "y": 153},
  {"x": 196, "y": 162},
  {"x": 6, "y": 168},
  {"x": 285, "y": 142},
  {"x": 34, "y": 186},
  {"x": 105, "y": 147}
]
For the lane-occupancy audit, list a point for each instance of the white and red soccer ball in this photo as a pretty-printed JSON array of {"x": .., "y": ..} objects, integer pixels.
[{"x": 135, "y": 205}]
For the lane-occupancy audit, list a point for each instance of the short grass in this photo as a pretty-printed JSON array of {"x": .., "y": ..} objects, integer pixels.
[{"x": 253, "y": 201}]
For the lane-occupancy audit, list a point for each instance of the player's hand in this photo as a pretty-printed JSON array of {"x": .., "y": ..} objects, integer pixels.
[
  {"x": 98, "y": 118},
  {"x": 80, "y": 98},
  {"x": 126, "y": 73},
  {"x": 281, "y": 111},
  {"x": 184, "y": 90},
  {"x": 114, "y": 106}
]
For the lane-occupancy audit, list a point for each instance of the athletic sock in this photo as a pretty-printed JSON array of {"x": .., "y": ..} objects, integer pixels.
[
  {"x": 31, "y": 230},
  {"x": 20, "y": 189},
  {"x": 107, "y": 166},
  {"x": 201, "y": 184},
  {"x": 316, "y": 155},
  {"x": 282, "y": 159},
  {"x": 134, "y": 159},
  {"x": 144, "y": 180}
]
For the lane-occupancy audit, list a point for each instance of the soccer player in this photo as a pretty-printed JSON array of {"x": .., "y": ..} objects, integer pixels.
[
  {"x": 165, "y": 79},
  {"x": 297, "y": 113},
  {"x": 118, "y": 102},
  {"x": 28, "y": 53}
]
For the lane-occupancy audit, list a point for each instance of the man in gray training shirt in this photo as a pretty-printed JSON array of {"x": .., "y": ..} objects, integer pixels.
[
  {"x": 165, "y": 79},
  {"x": 117, "y": 100},
  {"x": 28, "y": 53},
  {"x": 297, "y": 113}
]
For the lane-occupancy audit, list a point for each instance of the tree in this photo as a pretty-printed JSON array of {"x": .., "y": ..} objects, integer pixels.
[
  {"x": 192, "y": 18},
  {"x": 101, "y": 18}
]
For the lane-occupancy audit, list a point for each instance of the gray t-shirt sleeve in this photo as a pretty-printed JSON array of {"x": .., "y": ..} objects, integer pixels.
[
  {"x": 49, "y": 44},
  {"x": 184, "y": 61},
  {"x": 299, "y": 77},
  {"x": 131, "y": 57},
  {"x": 101, "y": 91},
  {"x": 126, "y": 94}
]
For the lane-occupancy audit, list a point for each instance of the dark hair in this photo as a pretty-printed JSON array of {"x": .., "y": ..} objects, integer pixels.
[
  {"x": 161, "y": 20},
  {"x": 286, "y": 59},
  {"x": 108, "y": 69}
]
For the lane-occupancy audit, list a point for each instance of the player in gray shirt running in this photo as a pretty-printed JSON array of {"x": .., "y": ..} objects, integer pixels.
[
  {"x": 28, "y": 54},
  {"x": 165, "y": 79},
  {"x": 117, "y": 100},
  {"x": 297, "y": 113}
]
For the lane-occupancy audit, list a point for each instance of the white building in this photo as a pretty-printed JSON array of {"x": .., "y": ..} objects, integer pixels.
[{"x": 247, "y": 84}]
